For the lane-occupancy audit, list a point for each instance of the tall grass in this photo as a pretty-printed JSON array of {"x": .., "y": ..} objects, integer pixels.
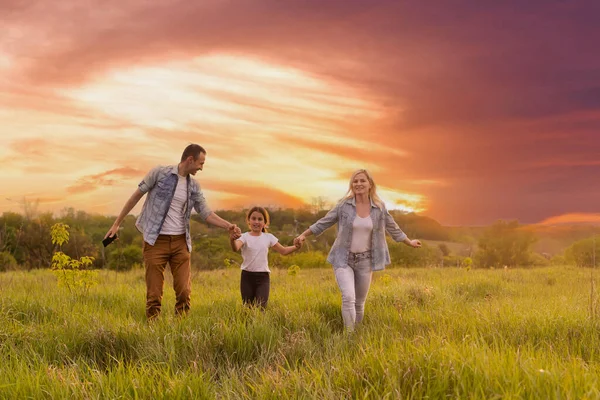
[{"x": 432, "y": 333}]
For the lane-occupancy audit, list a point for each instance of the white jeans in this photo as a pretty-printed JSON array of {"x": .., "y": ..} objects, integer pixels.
[{"x": 354, "y": 282}]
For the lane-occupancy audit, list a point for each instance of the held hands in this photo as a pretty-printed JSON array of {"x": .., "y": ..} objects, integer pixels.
[
  {"x": 234, "y": 232},
  {"x": 299, "y": 241}
]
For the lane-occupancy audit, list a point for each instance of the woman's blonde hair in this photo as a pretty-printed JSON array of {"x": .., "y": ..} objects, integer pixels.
[{"x": 372, "y": 190}]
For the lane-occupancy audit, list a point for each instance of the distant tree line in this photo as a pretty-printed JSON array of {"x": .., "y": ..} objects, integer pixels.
[{"x": 25, "y": 242}]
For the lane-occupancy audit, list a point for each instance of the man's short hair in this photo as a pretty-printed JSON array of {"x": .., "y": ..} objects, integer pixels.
[{"x": 193, "y": 150}]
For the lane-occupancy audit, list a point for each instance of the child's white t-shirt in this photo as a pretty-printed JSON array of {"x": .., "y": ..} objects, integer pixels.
[{"x": 255, "y": 251}]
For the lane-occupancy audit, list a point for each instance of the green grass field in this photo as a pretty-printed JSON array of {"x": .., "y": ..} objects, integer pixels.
[{"x": 428, "y": 333}]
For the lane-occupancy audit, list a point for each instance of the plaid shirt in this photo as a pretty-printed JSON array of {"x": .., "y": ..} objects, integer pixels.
[
  {"x": 160, "y": 184},
  {"x": 344, "y": 214}
]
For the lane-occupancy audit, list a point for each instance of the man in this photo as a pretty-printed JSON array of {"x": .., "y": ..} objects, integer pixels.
[{"x": 165, "y": 225}]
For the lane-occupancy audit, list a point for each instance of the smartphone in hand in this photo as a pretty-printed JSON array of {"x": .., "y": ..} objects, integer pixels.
[{"x": 109, "y": 240}]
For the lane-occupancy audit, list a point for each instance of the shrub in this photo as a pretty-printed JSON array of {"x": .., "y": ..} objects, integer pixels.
[
  {"x": 406, "y": 256},
  {"x": 467, "y": 263},
  {"x": 453, "y": 261},
  {"x": 7, "y": 261},
  {"x": 537, "y": 259},
  {"x": 124, "y": 259},
  {"x": 293, "y": 270},
  {"x": 504, "y": 243},
  {"x": 584, "y": 253},
  {"x": 70, "y": 273},
  {"x": 210, "y": 252}
]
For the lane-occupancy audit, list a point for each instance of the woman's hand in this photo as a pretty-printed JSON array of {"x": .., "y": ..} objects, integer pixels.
[
  {"x": 414, "y": 243},
  {"x": 299, "y": 241}
]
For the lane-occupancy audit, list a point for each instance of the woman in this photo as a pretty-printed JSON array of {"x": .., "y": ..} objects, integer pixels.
[{"x": 360, "y": 247}]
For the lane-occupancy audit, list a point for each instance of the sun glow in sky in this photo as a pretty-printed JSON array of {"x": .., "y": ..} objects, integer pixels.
[
  {"x": 245, "y": 112},
  {"x": 290, "y": 98}
]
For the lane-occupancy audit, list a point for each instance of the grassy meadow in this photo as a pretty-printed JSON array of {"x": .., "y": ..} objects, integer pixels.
[{"x": 428, "y": 333}]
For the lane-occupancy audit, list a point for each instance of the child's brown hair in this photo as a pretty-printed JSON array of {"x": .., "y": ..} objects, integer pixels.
[{"x": 264, "y": 213}]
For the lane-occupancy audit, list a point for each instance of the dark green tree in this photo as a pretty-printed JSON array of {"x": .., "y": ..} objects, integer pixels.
[
  {"x": 584, "y": 253},
  {"x": 505, "y": 243}
]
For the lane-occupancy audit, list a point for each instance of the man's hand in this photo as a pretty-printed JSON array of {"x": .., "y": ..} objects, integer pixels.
[
  {"x": 234, "y": 231},
  {"x": 112, "y": 231},
  {"x": 233, "y": 235}
]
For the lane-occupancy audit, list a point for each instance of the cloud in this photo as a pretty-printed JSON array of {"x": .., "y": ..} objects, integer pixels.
[
  {"x": 244, "y": 195},
  {"x": 108, "y": 178},
  {"x": 58, "y": 151},
  {"x": 493, "y": 105},
  {"x": 440, "y": 63},
  {"x": 351, "y": 148},
  {"x": 572, "y": 218}
]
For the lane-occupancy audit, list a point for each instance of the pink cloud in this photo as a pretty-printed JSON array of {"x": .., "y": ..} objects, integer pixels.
[
  {"x": 108, "y": 178},
  {"x": 507, "y": 116}
]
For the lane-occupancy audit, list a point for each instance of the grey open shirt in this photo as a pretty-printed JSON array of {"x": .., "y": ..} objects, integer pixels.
[{"x": 344, "y": 214}]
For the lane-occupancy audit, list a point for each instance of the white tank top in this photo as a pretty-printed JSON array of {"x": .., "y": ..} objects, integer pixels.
[{"x": 362, "y": 230}]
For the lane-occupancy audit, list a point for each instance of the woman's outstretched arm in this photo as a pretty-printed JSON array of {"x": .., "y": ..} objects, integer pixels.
[{"x": 320, "y": 226}]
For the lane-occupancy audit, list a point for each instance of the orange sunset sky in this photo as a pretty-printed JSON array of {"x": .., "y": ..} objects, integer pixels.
[{"x": 465, "y": 111}]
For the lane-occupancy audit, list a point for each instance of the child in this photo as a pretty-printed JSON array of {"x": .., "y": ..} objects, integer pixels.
[{"x": 255, "y": 282}]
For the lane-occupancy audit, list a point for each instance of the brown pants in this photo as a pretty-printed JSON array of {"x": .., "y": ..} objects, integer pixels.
[{"x": 170, "y": 249}]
